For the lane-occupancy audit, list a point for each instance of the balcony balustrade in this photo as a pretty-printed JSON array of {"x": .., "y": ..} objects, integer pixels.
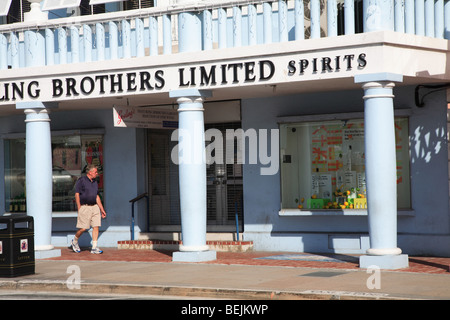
[{"x": 154, "y": 31}]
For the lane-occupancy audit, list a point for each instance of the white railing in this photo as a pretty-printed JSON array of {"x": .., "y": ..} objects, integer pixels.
[{"x": 153, "y": 31}]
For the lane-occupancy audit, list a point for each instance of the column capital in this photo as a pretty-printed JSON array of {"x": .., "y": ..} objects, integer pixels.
[
  {"x": 36, "y": 105},
  {"x": 195, "y": 93},
  {"x": 191, "y": 97},
  {"x": 378, "y": 77},
  {"x": 378, "y": 85},
  {"x": 36, "y": 115}
]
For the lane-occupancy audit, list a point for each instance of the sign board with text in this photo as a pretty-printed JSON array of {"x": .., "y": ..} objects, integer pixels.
[{"x": 151, "y": 118}]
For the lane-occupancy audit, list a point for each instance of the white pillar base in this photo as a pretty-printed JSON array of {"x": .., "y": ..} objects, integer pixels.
[
  {"x": 194, "y": 256},
  {"x": 387, "y": 262},
  {"x": 383, "y": 252},
  {"x": 193, "y": 248},
  {"x": 45, "y": 254}
]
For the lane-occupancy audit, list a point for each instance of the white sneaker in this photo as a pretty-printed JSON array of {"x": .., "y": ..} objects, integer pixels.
[
  {"x": 75, "y": 247},
  {"x": 96, "y": 250}
]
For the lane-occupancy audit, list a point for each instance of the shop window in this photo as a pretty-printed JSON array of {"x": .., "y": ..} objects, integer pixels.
[
  {"x": 70, "y": 156},
  {"x": 323, "y": 165}
]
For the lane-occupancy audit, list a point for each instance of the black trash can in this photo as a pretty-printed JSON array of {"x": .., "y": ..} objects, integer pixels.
[{"x": 16, "y": 245}]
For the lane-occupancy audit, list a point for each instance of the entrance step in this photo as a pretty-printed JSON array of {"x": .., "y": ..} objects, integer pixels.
[
  {"x": 210, "y": 236},
  {"x": 174, "y": 245}
]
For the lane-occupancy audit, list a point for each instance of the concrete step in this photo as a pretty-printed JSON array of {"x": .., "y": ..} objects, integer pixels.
[{"x": 210, "y": 236}]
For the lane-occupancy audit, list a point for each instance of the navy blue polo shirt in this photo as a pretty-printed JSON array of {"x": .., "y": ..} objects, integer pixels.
[{"x": 87, "y": 189}]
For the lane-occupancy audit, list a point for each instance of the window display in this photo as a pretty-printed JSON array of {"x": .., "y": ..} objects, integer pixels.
[
  {"x": 323, "y": 164},
  {"x": 70, "y": 156}
]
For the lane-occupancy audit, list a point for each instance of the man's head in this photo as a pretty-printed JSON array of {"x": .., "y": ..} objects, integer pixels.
[{"x": 91, "y": 171}]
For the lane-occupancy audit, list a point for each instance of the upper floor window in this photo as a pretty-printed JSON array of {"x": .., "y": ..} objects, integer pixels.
[
  {"x": 19, "y": 7},
  {"x": 138, "y": 4},
  {"x": 16, "y": 11}
]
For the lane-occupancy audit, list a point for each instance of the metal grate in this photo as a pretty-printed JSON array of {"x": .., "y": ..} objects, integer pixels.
[{"x": 322, "y": 274}]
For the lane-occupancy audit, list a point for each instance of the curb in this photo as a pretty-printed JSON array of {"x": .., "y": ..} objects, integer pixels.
[{"x": 57, "y": 286}]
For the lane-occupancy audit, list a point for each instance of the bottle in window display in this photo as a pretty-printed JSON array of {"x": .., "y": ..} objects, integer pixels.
[
  {"x": 315, "y": 184},
  {"x": 350, "y": 174},
  {"x": 349, "y": 158}
]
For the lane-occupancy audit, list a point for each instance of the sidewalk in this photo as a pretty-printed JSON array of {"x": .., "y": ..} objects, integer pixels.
[{"x": 250, "y": 275}]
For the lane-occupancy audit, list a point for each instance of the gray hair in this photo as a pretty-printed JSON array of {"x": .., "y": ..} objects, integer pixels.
[{"x": 89, "y": 167}]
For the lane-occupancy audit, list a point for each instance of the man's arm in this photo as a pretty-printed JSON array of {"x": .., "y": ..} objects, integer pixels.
[
  {"x": 99, "y": 203},
  {"x": 77, "y": 201}
]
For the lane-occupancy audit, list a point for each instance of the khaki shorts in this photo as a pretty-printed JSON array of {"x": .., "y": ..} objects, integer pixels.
[{"x": 89, "y": 216}]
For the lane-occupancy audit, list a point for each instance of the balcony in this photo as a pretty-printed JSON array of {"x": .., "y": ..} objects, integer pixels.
[{"x": 228, "y": 24}]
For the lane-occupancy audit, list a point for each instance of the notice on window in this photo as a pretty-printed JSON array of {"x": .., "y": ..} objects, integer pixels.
[{"x": 321, "y": 185}]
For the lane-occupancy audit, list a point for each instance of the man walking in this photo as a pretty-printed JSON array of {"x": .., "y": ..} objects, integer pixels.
[{"x": 90, "y": 208}]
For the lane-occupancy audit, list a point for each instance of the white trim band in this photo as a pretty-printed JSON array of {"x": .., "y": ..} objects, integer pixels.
[
  {"x": 370, "y": 96},
  {"x": 191, "y": 109},
  {"x": 37, "y": 120}
]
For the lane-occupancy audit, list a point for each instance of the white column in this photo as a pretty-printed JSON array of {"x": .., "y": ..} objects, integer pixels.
[
  {"x": 192, "y": 176},
  {"x": 38, "y": 164},
  {"x": 380, "y": 163},
  {"x": 38, "y": 174},
  {"x": 191, "y": 152}
]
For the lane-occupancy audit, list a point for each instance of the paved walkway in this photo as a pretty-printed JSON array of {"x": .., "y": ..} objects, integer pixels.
[{"x": 251, "y": 275}]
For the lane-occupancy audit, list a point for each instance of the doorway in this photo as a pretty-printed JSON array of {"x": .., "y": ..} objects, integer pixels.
[{"x": 224, "y": 187}]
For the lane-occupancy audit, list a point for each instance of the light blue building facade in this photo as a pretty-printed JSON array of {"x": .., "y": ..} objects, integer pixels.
[{"x": 304, "y": 126}]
